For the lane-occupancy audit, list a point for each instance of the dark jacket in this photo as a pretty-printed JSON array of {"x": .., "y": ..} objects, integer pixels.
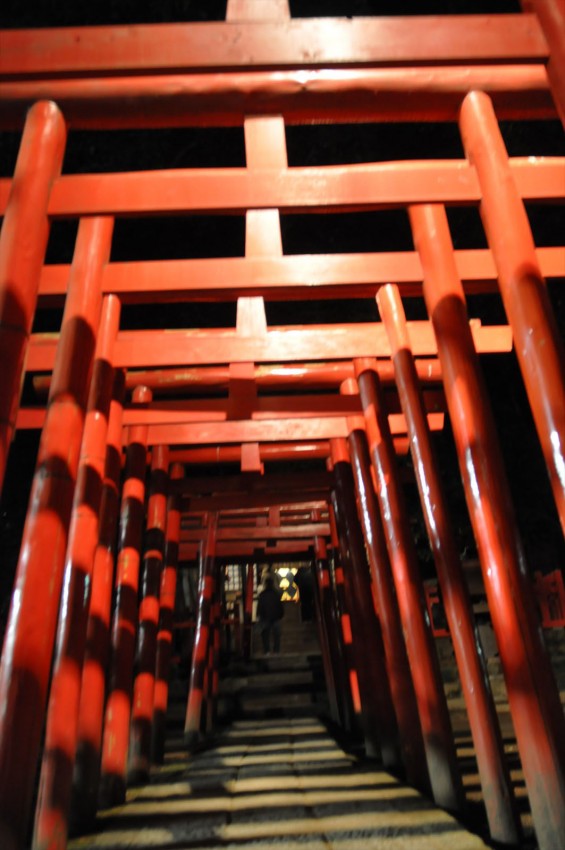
[{"x": 269, "y": 606}]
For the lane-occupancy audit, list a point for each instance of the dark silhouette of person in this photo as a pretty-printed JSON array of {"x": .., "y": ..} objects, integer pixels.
[
  {"x": 303, "y": 580},
  {"x": 270, "y": 614}
]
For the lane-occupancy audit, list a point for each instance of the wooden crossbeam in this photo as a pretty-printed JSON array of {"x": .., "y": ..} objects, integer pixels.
[
  {"x": 257, "y": 549},
  {"x": 261, "y": 533},
  {"x": 324, "y": 276},
  {"x": 315, "y": 42},
  {"x": 136, "y": 349},
  {"x": 430, "y": 93},
  {"x": 329, "y": 188},
  {"x": 233, "y": 501},
  {"x": 264, "y": 408},
  {"x": 270, "y": 430}
]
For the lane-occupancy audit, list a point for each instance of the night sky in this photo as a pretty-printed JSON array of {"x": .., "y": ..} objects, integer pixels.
[{"x": 196, "y": 236}]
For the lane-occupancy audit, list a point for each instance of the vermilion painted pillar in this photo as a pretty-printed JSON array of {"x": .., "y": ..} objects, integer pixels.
[
  {"x": 498, "y": 795},
  {"x": 377, "y": 714},
  {"x": 240, "y": 608},
  {"x": 23, "y": 240},
  {"x": 206, "y": 589},
  {"x": 213, "y": 674},
  {"x": 139, "y": 757},
  {"x": 30, "y": 634},
  {"x": 350, "y": 683},
  {"x": 331, "y": 660},
  {"x": 538, "y": 343},
  {"x": 532, "y": 693},
  {"x": 248, "y": 610},
  {"x": 401, "y": 686},
  {"x": 52, "y": 812},
  {"x": 93, "y": 689},
  {"x": 551, "y": 15},
  {"x": 125, "y": 617},
  {"x": 432, "y": 706},
  {"x": 166, "y": 615}
]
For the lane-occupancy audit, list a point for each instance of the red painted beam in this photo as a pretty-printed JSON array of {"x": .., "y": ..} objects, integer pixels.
[
  {"x": 137, "y": 349},
  {"x": 270, "y": 407},
  {"x": 299, "y": 375},
  {"x": 269, "y": 430},
  {"x": 241, "y": 549},
  {"x": 325, "y": 275},
  {"x": 217, "y": 410},
  {"x": 433, "y": 93},
  {"x": 315, "y": 42},
  {"x": 267, "y": 452},
  {"x": 257, "y": 10},
  {"x": 286, "y": 513},
  {"x": 229, "y": 501},
  {"x": 328, "y": 188},
  {"x": 315, "y": 434},
  {"x": 281, "y": 532}
]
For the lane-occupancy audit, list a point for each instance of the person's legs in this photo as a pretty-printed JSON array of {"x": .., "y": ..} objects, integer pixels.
[
  {"x": 265, "y": 629},
  {"x": 276, "y": 637}
]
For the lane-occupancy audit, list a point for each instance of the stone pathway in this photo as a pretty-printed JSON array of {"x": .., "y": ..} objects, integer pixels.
[{"x": 271, "y": 783}]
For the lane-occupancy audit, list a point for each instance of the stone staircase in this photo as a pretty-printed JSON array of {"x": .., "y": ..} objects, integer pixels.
[
  {"x": 290, "y": 683},
  {"x": 272, "y": 776},
  {"x": 555, "y": 643}
]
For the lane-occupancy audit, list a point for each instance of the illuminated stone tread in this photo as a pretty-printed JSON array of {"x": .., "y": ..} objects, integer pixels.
[{"x": 270, "y": 784}]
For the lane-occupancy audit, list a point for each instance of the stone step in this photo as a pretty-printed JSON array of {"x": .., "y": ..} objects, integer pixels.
[{"x": 251, "y": 701}]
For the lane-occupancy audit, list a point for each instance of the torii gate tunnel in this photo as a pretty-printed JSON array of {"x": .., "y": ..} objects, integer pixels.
[{"x": 126, "y": 407}]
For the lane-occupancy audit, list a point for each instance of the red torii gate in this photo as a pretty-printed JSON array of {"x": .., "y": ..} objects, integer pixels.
[{"x": 263, "y": 76}]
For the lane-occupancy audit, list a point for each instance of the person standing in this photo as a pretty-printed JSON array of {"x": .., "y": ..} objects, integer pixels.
[
  {"x": 270, "y": 572},
  {"x": 270, "y": 614}
]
